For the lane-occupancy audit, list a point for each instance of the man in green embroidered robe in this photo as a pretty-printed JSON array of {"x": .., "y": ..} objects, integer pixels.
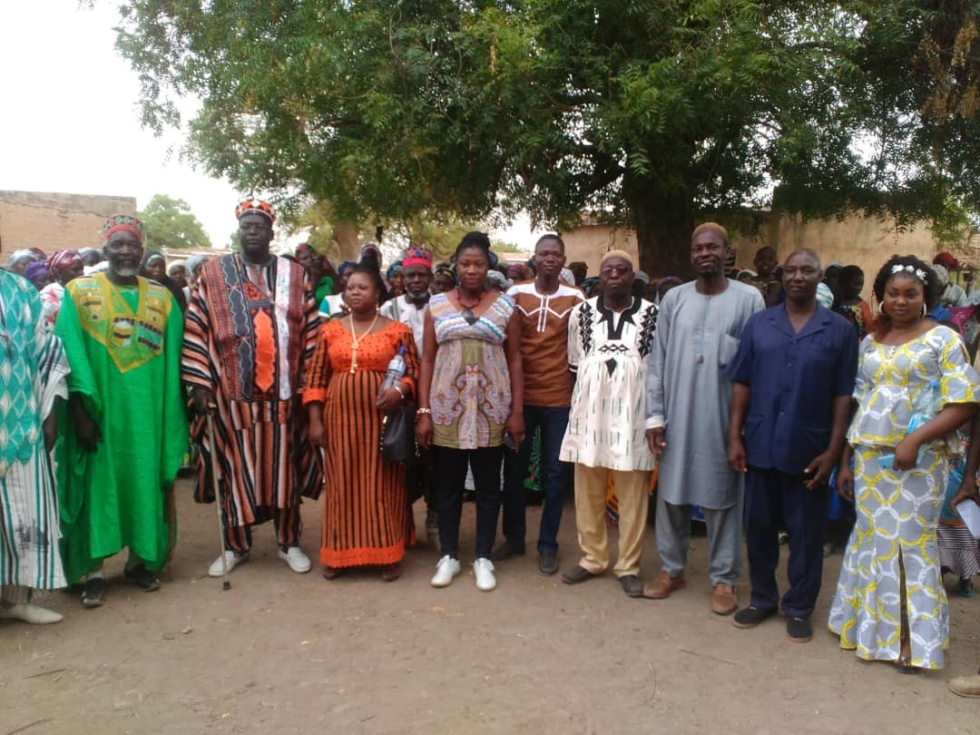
[{"x": 126, "y": 430}]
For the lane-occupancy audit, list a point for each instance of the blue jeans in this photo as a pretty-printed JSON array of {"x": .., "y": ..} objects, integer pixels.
[{"x": 553, "y": 422}]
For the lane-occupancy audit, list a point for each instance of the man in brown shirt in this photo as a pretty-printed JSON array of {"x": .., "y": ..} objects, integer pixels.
[{"x": 543, "y": 307}]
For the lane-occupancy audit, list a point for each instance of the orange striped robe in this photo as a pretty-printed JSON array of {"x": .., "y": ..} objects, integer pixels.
[
  {"x": 366, "y": 515},
  {"x": 248, "y": 334}
]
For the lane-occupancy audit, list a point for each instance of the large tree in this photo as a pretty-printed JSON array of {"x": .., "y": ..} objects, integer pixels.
[
  {"x": 170, "y": 223},
  {"x": 645, "y": 110}
]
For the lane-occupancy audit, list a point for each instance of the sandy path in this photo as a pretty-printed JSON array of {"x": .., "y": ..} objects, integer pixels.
[{"x": 294, "y": 654}]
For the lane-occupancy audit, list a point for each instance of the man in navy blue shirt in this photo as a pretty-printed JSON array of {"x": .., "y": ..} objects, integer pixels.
[{"x": 791, "y": 396}]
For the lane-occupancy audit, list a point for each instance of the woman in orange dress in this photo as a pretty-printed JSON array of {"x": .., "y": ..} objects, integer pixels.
[{"x": 366, "y": 520}]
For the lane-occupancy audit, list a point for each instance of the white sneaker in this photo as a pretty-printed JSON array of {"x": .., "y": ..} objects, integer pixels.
[
  {"x": 446, "y": 569},
  {"x": 296, "y": 559},
  {"x": 231, "y": 559},
  {"x": 483, "y": 569},
  {"x": 31, "y": 614}
]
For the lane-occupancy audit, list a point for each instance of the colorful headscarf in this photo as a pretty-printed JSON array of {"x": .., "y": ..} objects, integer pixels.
[
  {"x": 36, "y": 270},
  {"x": 947, "y": 260},
  {"x": 20, "y": 255},
  {"x": 122, "y": 222},
  {"x": 62, "y": 260},
  {"x": 304, "y": 248},
  {"x": 517, "y": 271},
  {"x": 255, "y": 206},
  {"x": 417, "y": 256},
  {"x": 395, "y": 268},
  {"x": 499, "y": 280},
  {"x": 825, "y": 297},
  {"x": 148, "y": 257}
]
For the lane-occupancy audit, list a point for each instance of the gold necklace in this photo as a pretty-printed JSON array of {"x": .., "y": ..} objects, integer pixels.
[{"x": 355, "y": 339}]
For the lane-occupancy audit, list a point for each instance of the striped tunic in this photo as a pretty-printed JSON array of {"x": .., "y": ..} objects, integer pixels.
[
  {"x": 32, "y": 374},
  {"x": 366, "y": 516},
  {"x": 249, "y": 331}
]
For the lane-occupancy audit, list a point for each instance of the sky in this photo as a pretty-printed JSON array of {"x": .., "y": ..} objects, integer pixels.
[{"x": 71, "y": 118}]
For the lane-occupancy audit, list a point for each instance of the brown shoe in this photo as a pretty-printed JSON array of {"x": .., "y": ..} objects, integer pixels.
[
  {"x": 723, "y": 600},
  {"x": 663, "y": 585},
  {"x": 966, "y": 686}
]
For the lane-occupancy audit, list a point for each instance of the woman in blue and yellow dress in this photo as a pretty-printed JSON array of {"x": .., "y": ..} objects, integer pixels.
[{"x": 914, "y": 389}]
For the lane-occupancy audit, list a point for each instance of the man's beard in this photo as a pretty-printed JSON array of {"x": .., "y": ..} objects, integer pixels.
[{"x": 126, "y": 272}]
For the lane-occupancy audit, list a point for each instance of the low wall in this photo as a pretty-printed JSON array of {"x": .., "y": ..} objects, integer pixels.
[
  {"x": 52, "y": 221},
  {"x": 861, "y": 241}
]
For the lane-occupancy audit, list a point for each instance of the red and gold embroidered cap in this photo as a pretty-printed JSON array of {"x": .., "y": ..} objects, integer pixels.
[
  {"x": 125, "y": 222},
  {"x": 417, "y": 256},
  {"x": 255, "y": 206}
]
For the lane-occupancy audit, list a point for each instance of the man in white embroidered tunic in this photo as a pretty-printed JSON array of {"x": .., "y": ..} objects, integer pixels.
[{"x": 609, "y": 338}]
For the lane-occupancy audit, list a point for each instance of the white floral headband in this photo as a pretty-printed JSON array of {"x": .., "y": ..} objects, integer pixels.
[{"x": 917, "y": 272}]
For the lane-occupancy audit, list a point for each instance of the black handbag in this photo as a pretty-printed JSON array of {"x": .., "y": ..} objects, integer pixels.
[{"x": 398, "y": 434}]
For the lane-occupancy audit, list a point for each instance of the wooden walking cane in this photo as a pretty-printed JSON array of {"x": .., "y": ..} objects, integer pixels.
[
  {"x": 225, "y": 584},
  {"x": 171, "y": 533}
]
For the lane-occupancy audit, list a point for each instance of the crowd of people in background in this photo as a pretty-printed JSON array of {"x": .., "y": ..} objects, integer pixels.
[{"x": 772, "y": 404}]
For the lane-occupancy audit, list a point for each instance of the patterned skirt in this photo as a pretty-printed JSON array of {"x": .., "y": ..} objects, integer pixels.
[
  {"x": 893, "y": 549},
  {"x": 959, "y": 552}
]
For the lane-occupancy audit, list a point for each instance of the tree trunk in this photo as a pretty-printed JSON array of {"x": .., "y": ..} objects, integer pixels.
[
  {"x": 663, "y": 235},
  {"x": 345, "y": 234}
]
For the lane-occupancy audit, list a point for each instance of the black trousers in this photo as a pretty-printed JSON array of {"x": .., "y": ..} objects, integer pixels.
[
  {"x": 450, "y": 468},
  {"x": 773, "y": 498}
]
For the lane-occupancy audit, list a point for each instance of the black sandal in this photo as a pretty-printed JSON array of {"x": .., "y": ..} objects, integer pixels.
[
  {"x": 94, "y": 593},
  {"x": 142, "y": 578}
]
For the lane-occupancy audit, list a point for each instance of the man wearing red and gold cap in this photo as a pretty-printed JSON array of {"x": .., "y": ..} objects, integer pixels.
[
  {"x": 127, "y": 432},
  {"x": 251, "y": 326},
  {"x": 410, "y": 309}
]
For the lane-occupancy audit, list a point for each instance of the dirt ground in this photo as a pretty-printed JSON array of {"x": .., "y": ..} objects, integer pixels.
[{"x": 291, "y": 653}]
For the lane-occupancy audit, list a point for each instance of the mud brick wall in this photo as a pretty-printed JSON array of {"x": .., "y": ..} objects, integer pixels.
[{"x": 52, "y": 221}]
